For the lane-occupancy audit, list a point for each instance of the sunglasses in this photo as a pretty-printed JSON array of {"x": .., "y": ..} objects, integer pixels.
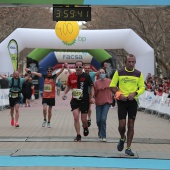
[{"x": 79, "y": 66}]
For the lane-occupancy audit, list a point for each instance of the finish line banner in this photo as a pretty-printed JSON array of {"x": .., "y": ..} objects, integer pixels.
[{"x": 88, "y": 2}]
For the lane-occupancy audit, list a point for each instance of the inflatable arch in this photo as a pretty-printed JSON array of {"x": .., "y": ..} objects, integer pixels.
[
  {"x": 60, "y": 57},
  {"x": 94, "y": 57},
  {"x": 99, "y": 54},
  {"x": 125, "y": 39}
]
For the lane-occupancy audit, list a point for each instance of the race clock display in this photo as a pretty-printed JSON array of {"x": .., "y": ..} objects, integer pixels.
[{"x": 71, "y": 13}]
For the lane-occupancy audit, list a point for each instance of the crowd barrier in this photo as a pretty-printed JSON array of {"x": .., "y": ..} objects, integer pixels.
[
  {"x": 158, "y": 104},
  {"x": 4, "y": 99}
]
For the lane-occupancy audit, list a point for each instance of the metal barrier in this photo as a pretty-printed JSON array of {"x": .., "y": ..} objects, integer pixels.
[{"x": 159, "y": 105}]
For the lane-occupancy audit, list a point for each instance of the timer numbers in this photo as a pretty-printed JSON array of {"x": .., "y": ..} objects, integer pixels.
[{"x": 72, "y": 13}]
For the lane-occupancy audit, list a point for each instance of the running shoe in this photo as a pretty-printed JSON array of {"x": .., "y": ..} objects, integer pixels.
[
  {"x": 89, "y": 123},
  {"x": 120, "y": 145},
  {"x": 77, "y": 138},
  {"x": 129, "y": 152},
  {"x": 16, "y": 124},
  {"x": 12, "y": 122},
  {"x": 103, "y": 139},
  {"x": 44, "y": 123},
  {"x": 48, "y": 125},
  {"x": 86, "y": 131}
]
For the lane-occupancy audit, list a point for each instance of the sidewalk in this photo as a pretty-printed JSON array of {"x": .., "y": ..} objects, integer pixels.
[{"x": 151, "y": 138}]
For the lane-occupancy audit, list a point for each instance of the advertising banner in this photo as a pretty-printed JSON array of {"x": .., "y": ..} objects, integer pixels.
[
  {"x": 13, "y": 52},
  {"x": 4, "y": 99},
  {"x": 160, "y": 104}
]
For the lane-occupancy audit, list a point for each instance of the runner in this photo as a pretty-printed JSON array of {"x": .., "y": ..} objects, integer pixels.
[
  {"x": 127, "y": 84},
  {"x": 15, "y": 84},
  {"x": 93, "y": 77},
  {"x": 48, "y": 92},
  {"x": 79, "y": 82}
]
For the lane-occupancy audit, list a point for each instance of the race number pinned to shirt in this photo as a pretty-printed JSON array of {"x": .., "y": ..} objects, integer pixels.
[
  {"x": 14, "y": 95},
  {"x": 77, "y": 93},
  {"x": 47, "y": 87}
]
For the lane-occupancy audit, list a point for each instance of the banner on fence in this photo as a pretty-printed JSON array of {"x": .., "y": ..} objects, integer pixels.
[
  {"x": 4, "y": 99},
  {"x": 156, "y": 103}
]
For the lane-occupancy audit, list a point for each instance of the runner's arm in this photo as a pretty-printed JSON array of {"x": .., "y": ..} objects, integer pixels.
[
  {"x": 64, "y": 96},
  {"x": 92, "y": 99},
  {"x": 3, "y": 76},
  {"x": 64, "y": 66},
  {"x": 113, "y": 84},
  {"x": 34, "y": 73}
]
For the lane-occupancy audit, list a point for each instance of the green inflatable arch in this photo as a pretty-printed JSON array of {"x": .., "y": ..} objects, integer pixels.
[{"x": 99, "y": 54}]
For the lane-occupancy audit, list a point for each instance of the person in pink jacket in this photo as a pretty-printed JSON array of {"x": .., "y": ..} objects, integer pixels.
[{"x": 103, "y": 100}]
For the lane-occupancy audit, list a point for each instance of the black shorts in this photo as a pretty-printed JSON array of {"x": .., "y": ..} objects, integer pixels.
[
  {"x": 28, "y": 96},
  {"x": 127, "y": 107},
  {"x": 82, "y": 105},
  {"x": 48, "y": 101},
  {"x": 14, "y": 101}
]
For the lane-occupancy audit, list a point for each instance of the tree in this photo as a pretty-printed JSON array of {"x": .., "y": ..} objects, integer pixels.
[
  {"x": 24, "y": 17},
  {"x": 150, "y": 24}
]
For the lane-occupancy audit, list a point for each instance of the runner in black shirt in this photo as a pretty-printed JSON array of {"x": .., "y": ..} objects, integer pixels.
[{"x": 79, "y": 82}]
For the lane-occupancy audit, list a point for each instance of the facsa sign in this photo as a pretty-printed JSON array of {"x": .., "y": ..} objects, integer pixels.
[{"x": 72, "y": 57}]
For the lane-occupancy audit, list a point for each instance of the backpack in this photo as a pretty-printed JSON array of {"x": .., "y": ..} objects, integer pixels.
[{"x": 15, "y": 93}]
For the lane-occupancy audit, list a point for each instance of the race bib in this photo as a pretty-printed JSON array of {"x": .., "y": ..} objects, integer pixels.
[
  {"x": 77, "y": 93},
  {"x": 47, "y": 87},
  {"x": 14, "y": 95}
]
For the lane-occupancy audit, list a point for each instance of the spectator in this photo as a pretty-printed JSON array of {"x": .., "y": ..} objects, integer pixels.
[
  {"x": 159, "y": 90},
  {"x": 103, "y": 100},
  {"x": 58, "y": 86}
]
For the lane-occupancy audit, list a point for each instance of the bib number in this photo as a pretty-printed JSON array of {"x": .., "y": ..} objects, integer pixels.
[
  {"x": 77, "y": 93},
  {"x": 14, "y": 95},
  {"x": 47, "y": 88}
]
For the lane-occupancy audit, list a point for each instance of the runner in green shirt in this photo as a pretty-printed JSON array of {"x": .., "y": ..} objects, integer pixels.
[{"x": 127, "y": 84}]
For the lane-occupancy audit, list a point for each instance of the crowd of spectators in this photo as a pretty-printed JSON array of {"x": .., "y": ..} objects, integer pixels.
[{"x": 157, "y": 85}]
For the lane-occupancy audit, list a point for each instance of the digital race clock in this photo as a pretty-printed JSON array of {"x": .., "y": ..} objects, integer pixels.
[{"x": 71, "y": 13}]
